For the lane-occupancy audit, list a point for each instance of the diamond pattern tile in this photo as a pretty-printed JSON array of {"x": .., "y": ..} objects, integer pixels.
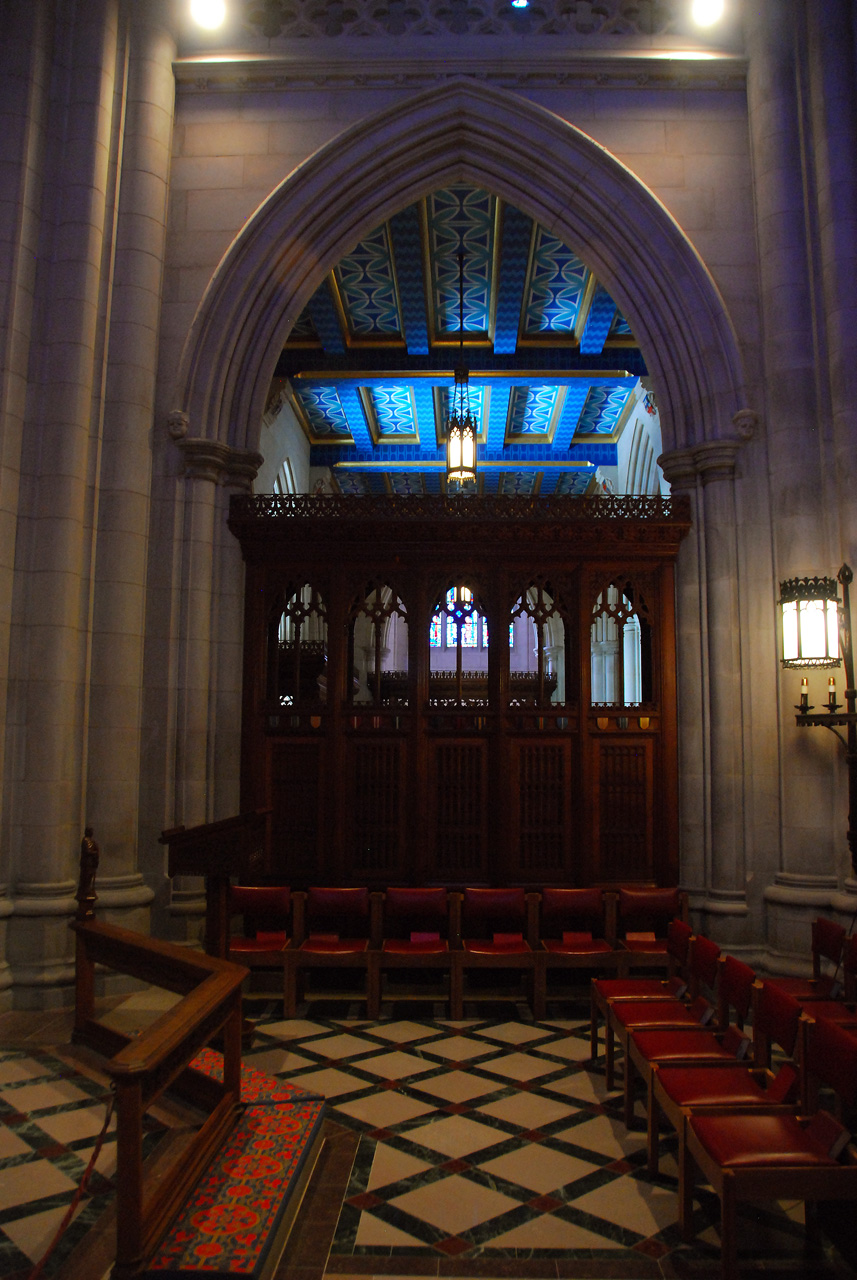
[
  {"x": 484, "y": 1148},
  {"x": 456, "y": 1204}
]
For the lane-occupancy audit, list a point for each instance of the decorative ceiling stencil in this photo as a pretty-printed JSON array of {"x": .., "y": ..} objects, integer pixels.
[
  {"x": 556, "y": 286},
  {"x": 574, "y": 483},
  {"x": 392, "y": 412},
  {"x": 525, "y": 483},
  {"x": 479, "y": 397},
  {"x": 370, "y": 361},
  {"x": 323, "y": 413},
  {"x": 603, "y": 408},
  {"x": 534, "y": 411},
  {"x": 461, "y": 219},
  {"x": 367, "y": 288}
]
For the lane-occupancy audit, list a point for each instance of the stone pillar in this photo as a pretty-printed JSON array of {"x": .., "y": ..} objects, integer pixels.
[
  {"x": 122, "y": 517},
  {"x": 25, "y": 71},
  {"x": 53, "y": 557},
  {"x": 798, "y": 433},
  {"x": 711, "y": 764},
  {"x": 833, "y": 117}
]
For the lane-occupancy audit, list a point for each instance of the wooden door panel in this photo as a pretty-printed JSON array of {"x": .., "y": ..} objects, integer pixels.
[{"x": 623, "y": 808}]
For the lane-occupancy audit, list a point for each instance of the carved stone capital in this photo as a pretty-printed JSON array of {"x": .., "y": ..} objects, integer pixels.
[
  {"x": 712, "y": 460},
  {"x": 242, "y": 467},
  {"x": 679, "y": 468},
  {"x": 204, "y": 459}
]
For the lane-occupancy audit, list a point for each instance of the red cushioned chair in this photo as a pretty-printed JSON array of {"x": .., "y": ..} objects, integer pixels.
[
  {"x": 264, "y": 940},
  {"x": 673, "y": 987},
  {"x": 576, "y": 931},
  {"x": 495, "y": 924},
  {"x": 770, "y": 1157},
  {"x": 416, "y": 929},
  {"x": 625, "y": 1016},
  {"x": 339, "y": 931},
  {"x": 642, "y": 921},
  {"x": 675, "y": 1090},
  {"x": 828, "y": 939}
]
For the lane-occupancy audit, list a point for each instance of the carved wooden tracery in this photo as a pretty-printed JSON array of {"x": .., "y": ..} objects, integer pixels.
[{"x": 496, "y": 764}]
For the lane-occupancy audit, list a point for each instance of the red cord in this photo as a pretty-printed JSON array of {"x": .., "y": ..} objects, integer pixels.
[{"x": 76, "y": 1198}]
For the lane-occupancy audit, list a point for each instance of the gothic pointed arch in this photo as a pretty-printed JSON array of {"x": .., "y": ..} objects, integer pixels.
[{"x": 462, "y": 131}]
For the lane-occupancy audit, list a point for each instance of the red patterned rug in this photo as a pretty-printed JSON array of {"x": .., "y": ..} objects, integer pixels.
[{"x": 237, "y": 1220}]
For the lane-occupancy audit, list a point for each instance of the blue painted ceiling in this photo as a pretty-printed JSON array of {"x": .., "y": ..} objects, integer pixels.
[{"x": 553, "y": 363}]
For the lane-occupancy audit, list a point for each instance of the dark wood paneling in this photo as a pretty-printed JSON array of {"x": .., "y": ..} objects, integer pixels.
[{"x": 624, "y": 809}]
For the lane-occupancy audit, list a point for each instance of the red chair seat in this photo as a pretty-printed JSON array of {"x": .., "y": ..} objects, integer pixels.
[
  {"x": 405, "y": 947},
  {"x": 696, "y": 1046},
  {"x": 699, "y": 1087},
  {"x": 652, "y": 1013},
  {"x": 805, "y": 988},
  {"x": 638, "y": 988},
  {"x": 253, "y": 946},
  {"x": 587, "y": 947},
  {"x": 743, "y": 1141},
  {"x": 654, "y": 946},
  {"x": 331, "y": 946},
  {"x": 485, "y": 947},
  {"x": 832, "y": 1010}
]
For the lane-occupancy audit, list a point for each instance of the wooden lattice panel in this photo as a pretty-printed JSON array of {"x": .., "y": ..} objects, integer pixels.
[
  {"x": 543, "y": 803},
  {"x": 295, "y": 781},
  {"x": 624, "y": 810},
  {"x": 460, "y": 794},
  {"x": 376, "y": 807}
]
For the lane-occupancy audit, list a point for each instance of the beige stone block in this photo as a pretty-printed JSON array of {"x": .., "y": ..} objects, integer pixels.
[
  {"x": 660, "y": 170},
  {"x": 200, "y": 248},
  {"x": 692, "y": 209},
  {"x": 265, "y": 173},
  {"x": 210, "y": 173},
  {"x": 707, "y": 137},
  {"x": 225, "y": 137},
  {"x": 208, "y": 210},
  {"x": 631, "y": 137},
  {"x": 296, "y": 137}
]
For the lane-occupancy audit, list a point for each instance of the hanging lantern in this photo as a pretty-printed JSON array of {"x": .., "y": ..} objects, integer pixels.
[
  {"x": 810, "y": 622},
  {"x": 461, "y": 424}
]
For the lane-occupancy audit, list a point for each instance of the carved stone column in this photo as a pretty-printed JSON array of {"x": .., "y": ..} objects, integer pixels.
[
  {"x": 798, "y": 417},
  {"x": 122, "y": 518},
  {"x": 54, "y": 552},
  {"x": 711, "y": 765}
]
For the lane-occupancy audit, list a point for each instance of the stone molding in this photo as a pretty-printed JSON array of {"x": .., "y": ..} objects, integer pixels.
[
  {"x": 709, "y": 461},
  {"x": 217, "y": 462},
  {"x": 611, "y": 19},
  {"x": 202, "y": 74}
]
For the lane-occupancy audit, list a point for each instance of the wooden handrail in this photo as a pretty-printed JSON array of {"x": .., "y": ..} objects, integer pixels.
[{"x": 143, "y": 1066}]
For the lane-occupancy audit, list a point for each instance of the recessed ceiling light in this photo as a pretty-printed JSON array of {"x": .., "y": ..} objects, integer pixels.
[
  {"x": 707, "y": 12},
  {"x": 520, "y": 4},
  {"x": 208, "y": 13}
]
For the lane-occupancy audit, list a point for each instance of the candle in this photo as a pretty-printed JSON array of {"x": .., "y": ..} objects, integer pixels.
[
  {"x": 831, "y": 693},
  {"x": 804, "y": 693}
]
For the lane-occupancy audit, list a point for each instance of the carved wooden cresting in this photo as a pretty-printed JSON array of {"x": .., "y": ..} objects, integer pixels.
[{"x": 461, "y": 690}]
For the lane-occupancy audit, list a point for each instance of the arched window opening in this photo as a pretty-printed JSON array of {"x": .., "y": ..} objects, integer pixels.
[
  {"x": 378, "y": 649},
  {"x": 621, "y": 649},
  {"x": 458, "y": 646},
  {"x": 297, "y": 663},
  {"x": 537, "y": 670}
]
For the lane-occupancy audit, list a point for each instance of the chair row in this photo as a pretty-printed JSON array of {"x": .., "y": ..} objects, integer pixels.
[
  {"x": 753, "y": 1132},
  {"x": 506, "y": 929}
]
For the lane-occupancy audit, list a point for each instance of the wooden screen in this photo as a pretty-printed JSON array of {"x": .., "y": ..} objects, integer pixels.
[{"x": 474, "y": 690}]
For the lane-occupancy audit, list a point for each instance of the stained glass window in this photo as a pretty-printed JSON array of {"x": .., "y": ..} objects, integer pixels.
[{"x": 435, "y": 633}]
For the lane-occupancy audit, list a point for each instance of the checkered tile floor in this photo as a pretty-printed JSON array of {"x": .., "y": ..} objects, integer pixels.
[
  {"x": 497, "y": 1140},
  {"x": 50, "y": 1118},
  {"x": 487, "y": 1147}
]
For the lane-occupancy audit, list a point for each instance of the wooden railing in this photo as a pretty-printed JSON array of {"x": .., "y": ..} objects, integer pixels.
[{"x": 143, "y": 1066}]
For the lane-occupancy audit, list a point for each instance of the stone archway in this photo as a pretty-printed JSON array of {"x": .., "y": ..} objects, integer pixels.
[{"x": 466, "y": 131}]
